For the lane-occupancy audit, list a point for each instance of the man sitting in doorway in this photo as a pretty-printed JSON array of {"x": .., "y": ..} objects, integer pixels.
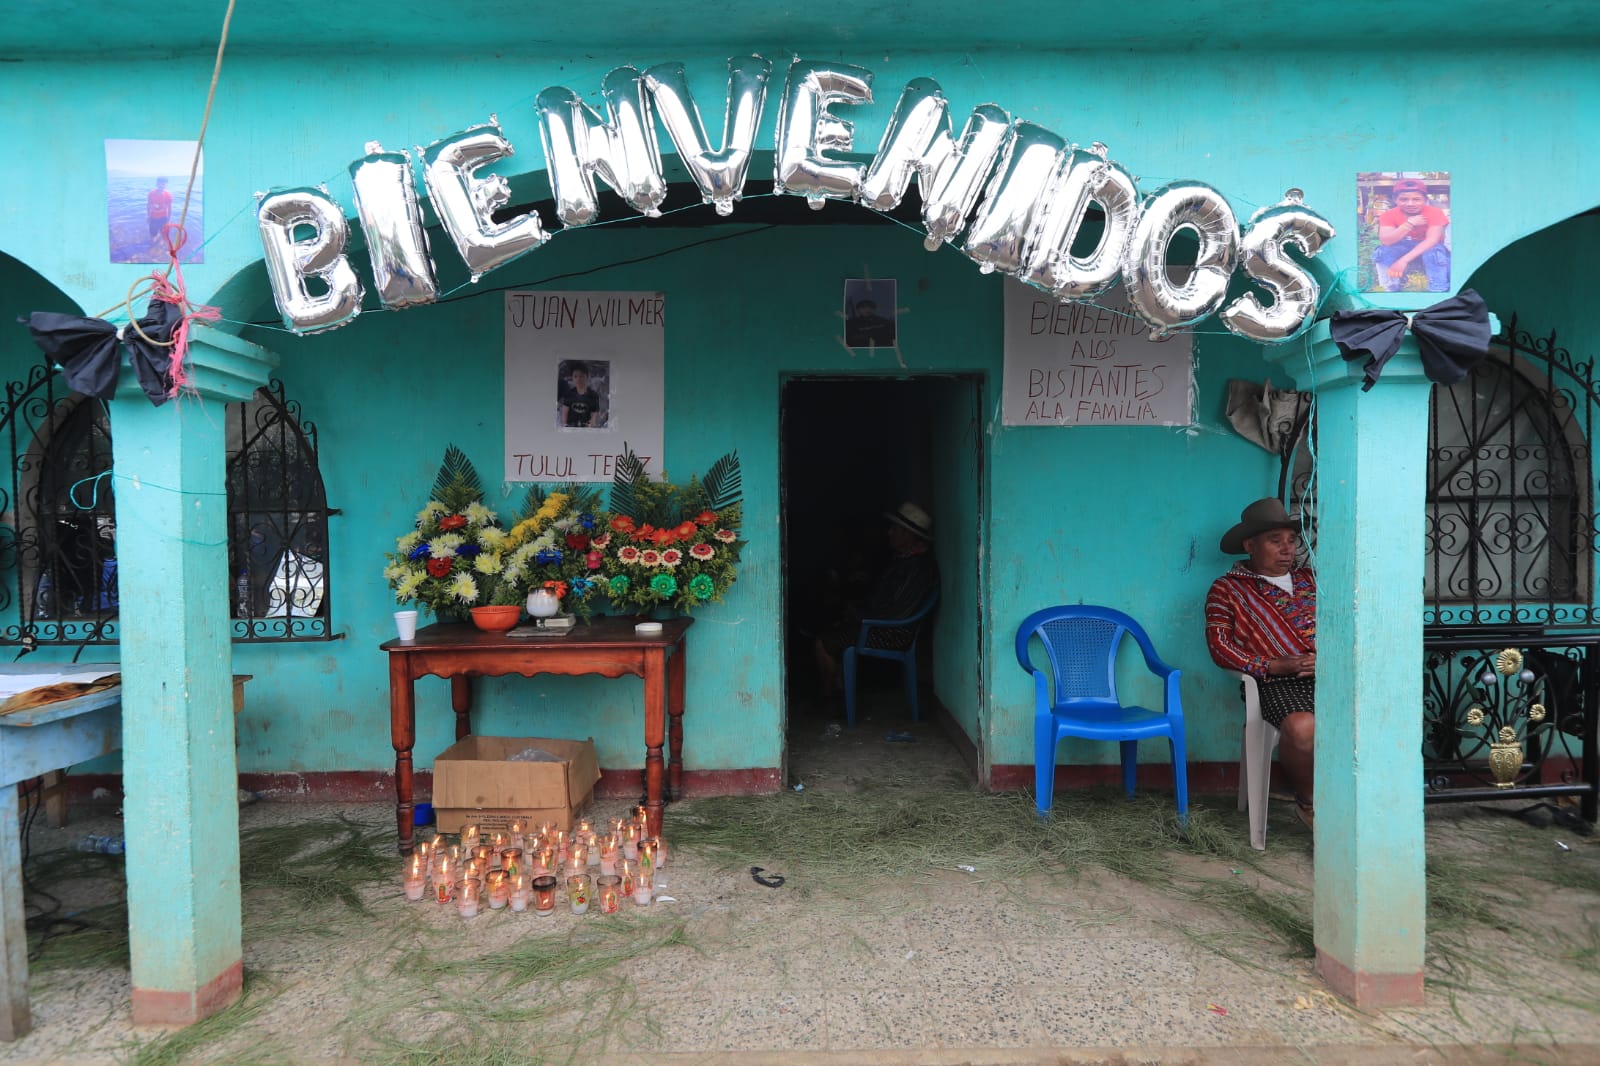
[
  {"x": 905, "y": 584},
  {"x": 1261, "y": 620}
]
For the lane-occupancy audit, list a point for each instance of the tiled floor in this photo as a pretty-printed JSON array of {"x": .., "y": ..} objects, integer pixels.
[{"x": 945, "y": 966}]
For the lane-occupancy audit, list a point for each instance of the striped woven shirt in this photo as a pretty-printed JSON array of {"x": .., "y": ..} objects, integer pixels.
[{"x": 1250, "y": 621}]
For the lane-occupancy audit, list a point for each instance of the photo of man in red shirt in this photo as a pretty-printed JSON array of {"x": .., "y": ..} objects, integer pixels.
[{"x": 1411, "y": 237}]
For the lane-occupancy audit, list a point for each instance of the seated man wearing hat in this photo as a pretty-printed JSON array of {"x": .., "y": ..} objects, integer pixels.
[
  {"x": 904, "y": 585},
  {"x": 1261, "y": 620}
]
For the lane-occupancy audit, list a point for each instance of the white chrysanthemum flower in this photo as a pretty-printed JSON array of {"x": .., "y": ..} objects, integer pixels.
[
  {"x": 464, "y": 588},
  {"x": 445, "y": 544},
  {"x": 488, "y": 563},
  {"x": 493, "y": 538},
  {"x": 434, "y": 510},
  {"x": 409, "y": 541},
  {"x": 565, "y": 524},
  {"x": 395, "y": 571},
  {"x": 479, "y": 515},
  {"x": 407, "y": 588}
]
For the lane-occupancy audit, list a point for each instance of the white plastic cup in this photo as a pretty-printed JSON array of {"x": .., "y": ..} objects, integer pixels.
[{"x": 405, "y": 622}]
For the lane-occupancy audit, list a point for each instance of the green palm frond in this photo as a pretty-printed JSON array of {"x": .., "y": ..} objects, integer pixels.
[
  {"x": 625, "y": 484},
  {"x": 530, "y": 503},
  {"x": 457, "y": 484},
  {"x": 722, "y": 482}
]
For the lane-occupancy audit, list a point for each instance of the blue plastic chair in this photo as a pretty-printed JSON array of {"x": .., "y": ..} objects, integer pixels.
[
  {"x": 907, "y": 656},
  {"x": 1082, "y": 644}
]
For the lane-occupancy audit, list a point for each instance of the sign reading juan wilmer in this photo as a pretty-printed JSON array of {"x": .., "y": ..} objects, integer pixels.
[{"x": 1069, "y": 364}]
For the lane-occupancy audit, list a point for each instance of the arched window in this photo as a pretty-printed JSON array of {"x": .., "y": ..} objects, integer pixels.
[
  {"x": 60, "y": 516},
  {"x": 1510, "y": 529}
]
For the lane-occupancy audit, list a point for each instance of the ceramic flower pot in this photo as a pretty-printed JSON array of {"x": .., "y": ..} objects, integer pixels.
[
  {"x": 496, "y": 619},
  {"x": 542, "y": 603}
]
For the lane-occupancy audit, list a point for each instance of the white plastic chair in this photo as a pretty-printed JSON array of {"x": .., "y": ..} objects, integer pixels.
[{"x": 1255, "y": 762}]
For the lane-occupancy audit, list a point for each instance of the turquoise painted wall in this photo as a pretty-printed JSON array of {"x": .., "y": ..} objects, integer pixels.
[
  {"x": 960, "y": 456},
  {"x": 1126, "y": 516}
]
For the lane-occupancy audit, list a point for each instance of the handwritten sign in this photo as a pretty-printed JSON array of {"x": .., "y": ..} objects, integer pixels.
[
  {"x": 1090, "y": 365},
  {"x": 583, "y": 378}
]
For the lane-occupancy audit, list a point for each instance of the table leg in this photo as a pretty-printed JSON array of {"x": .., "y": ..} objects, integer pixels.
[
  {"x": 403, "y": 734},
  {"x": 675, "y": 675},
  {"x": 655, "y": 722},
  {"x": 15, "y": 1021},
  {"x": 461, "y": 700}
]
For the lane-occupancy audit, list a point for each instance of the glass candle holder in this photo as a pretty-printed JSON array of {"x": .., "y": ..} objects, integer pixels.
[
  {"x": 484, "y": 854},
  {"x": 563, "y": 847},
  {"x": 521, "y": 889},
  {"x": 647, "y": 859},
  {"x": 511, "y": 861},
  {"x": 630, "y": 841},
  {"x": 577, "y": 859},
  {"x": 658, "y": 853},
  {"x": 608, "y": 893},
  {"x": 544, "y": 896},
  {"x": 498, "y": 889},
  {"x": 516, "y": 838},
  {"x": 444, "y": 882},
  {"x": 469, "y": 891},
  {"x": 469, "y": 837},
  {"x": 610, "y": 852},
  {"x": 579, "y": 886},
  {"x": 543, "y": 862},
  {"x": 416, "y": 878},
  {"x": 644, "y": 884}
]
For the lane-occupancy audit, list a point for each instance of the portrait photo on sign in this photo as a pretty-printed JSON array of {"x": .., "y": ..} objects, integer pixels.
[
  {"x": 869, "y": 313},
  {"x": 145, "y": 183},
  {"x": 583, "y": 389},
  {"x": 1404, "y": 234}
]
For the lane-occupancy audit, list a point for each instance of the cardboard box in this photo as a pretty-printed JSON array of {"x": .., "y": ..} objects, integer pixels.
[{"x": 474, "y": 783}]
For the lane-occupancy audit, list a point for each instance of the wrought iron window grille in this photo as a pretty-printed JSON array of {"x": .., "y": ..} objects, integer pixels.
[{"x": 58, "y": 520}]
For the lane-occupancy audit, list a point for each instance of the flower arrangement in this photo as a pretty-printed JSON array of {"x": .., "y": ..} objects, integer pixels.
[
  {"x": 552, "y": 546},
  {"x": 671, "y": 545},
  {"x": 455, "y": 557}
]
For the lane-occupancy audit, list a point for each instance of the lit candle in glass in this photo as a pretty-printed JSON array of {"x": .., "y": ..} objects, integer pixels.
[
  {"x": 578, "y": 889},
  {"x": 498, "y": 890},
  {"x": 563, "y": 846},
  {"x": 608, "y": 893},
  {"x": 647, "y": 857},
  {"x": 442, "y": 882},
  {"x": 630, "y": 841},
  {"x": 468, "y": 892},
  {"x": 544, "y": 896},
  {"x": 627, "y": 878},
  {"x": 469, "y": 837},
  {"x": 543, "y": 862},
  {"x": 610, "y": 851},
  {"x": 660, "y": 857},
  {"x": 578, "y": 859},
  {"x": 416, "y": 879},
  {"x": 484, "y": 854},
  {"x": 511, "y": 861},
  {"x": 516, "y": 839},
  {"x": 520, "y": 887},
  {"x": 643, "y": 886}
]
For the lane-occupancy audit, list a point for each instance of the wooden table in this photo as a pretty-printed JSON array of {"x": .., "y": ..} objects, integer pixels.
[
  {"x": 606, "y": 646},
  {"x": 33, "y": 742}
]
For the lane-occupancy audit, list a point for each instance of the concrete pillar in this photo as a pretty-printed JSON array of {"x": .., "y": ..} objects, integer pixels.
[
  {"x": 1371, "y": 450},
  {"x": 179, "y": 767}
]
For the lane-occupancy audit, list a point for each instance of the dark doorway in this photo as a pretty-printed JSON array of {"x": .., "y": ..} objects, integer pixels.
[{"x": 852, "y": 449}]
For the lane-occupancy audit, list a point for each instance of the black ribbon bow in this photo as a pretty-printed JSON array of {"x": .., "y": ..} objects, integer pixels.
[
  {"x": 89, "y": 349},
  {"x": 1452, "y": 337}
]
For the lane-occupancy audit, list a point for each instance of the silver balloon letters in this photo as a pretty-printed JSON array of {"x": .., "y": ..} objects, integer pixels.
[
  {"x": 466, "y": 203},
  {"x": 806, "y": 129},
  {"x": 1084, "y": 177},
  {"x": 1014, "y": 196},
  {"x": 386, "y": 201},
  {"x": 294, "y": 256},
  {"x": 1264, "y": 257},
  {"x": 917, "y": 143},
  {"x": 999, "y": 235},
  {"x": 718, "y": 173},
  {"x": 1152, "y": 292},
  {"x": 580, "y": 145}
]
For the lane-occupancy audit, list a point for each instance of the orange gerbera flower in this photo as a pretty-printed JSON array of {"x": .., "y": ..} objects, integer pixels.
[
  {"x": 687, "y": 530},
  {"x": 452, "y": 521},
  {"x": 622, "y": 524},
  {"x": 706, "y": 518},
  {"x": 664, "y": 537}
]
